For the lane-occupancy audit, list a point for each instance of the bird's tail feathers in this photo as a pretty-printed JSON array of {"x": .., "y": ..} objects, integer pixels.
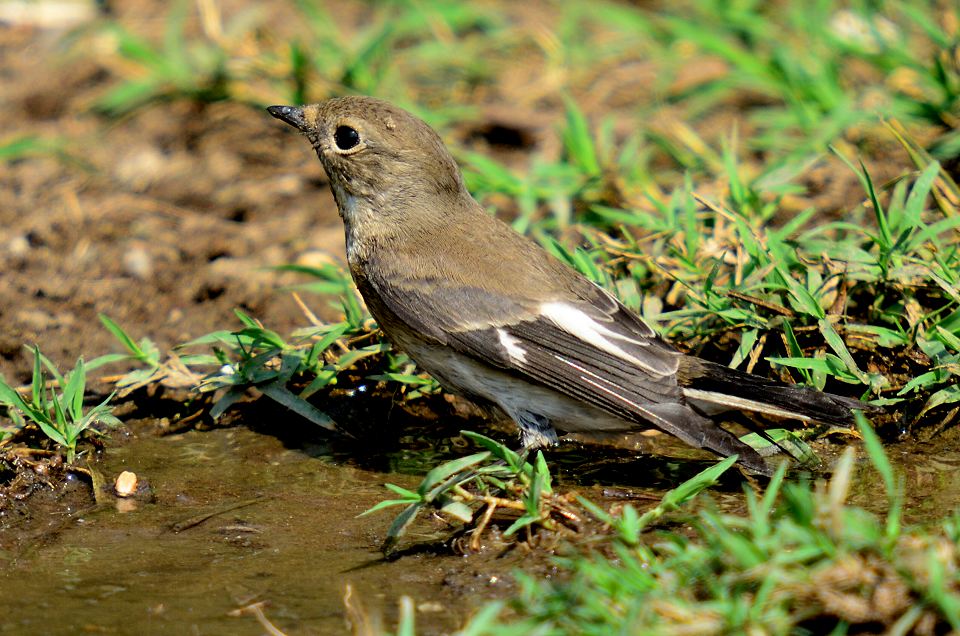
[
  {"x": 683, "y": 422},
  {"x": 714, "y": 387}
]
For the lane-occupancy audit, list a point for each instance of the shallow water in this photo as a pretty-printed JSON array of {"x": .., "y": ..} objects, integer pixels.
[
  {"x": 296, "y": 547},
  {"x": 164, "y": 566},
  {"x": 931, "y": 479}
]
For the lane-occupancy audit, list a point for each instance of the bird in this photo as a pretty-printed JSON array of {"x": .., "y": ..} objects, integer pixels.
[{"x": 495, "y": 318}]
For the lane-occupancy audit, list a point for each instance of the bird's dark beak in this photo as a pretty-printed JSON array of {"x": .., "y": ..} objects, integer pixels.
[{"x": 293, "y": 115}]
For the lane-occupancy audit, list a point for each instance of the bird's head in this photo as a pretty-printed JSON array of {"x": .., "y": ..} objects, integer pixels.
[{"x": 377, "y": 154}]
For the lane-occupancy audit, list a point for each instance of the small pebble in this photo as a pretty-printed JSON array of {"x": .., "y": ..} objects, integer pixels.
[
  {"x": 140, "y": 168},
  {"x": 126, "y": 484},
  {"x": 18, "y": 246},
  {"x": 314, "y": 258},
  {"x": 137, "y": 263}
]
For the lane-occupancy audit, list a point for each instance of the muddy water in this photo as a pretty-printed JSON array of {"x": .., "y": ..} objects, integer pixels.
[
  {"x": 931, "y": 479},
  {"x": 296, "y": 546},
  {"x": 183, "y": 561}
]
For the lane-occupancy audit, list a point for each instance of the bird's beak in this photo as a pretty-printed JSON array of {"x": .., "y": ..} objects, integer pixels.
[{"x": 293, "y": 115}]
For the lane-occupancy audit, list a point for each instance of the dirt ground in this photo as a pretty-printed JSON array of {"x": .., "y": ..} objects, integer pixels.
[{"x": 165, "y": 220}]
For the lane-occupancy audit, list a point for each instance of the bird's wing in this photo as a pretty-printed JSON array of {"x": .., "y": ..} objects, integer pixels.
[
  {"x": 598, "y": 353},
  {"x": 587, "y": 346}
]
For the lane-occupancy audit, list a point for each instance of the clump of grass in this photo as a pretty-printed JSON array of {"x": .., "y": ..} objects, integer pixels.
[
  {"x": 498, "y": 480},
  {"x": 811, "y": 72},
  {"x": 237, "y": 59},
  {"x": 830, "y": 301},
  {"x": 436, "y": 43},
  {"x": 55, "y": 408},
  {"x": 316, "y": 355},
  {"x": 201, "y": 68},
  {"x": 289, "y": 369},
  {"x": 800, "y": 560}
]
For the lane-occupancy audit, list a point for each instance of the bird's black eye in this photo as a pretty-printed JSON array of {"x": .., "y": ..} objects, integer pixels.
[{"x": 346, "y": 137}]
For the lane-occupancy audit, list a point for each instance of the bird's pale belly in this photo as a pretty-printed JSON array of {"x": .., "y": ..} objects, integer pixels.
[{"x": 482, "y": 383}]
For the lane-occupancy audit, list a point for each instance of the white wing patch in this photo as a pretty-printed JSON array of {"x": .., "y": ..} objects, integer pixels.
[
  {"x": 577, "y": 323},
  {"x": 512, "y": 346}
]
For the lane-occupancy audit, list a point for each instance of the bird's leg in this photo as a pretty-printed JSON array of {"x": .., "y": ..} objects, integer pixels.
[{"x": 535, "y": 429}]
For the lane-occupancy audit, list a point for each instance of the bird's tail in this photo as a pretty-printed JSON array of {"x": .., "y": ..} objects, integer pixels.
[
  {"x": 687, "y": 424},
  {"x": 713, "y": 388}
]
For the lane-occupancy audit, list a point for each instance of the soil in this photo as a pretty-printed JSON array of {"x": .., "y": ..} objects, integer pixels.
[{"x": 166, "y": 220}]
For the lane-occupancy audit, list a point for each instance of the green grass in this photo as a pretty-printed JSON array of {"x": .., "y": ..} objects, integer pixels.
[
  {"x": 24, "y": 146},
  {"x": 57, "y": 410},
  {"x": 495, "y": 477},
  {"x": 812, "y": 73},
  {"x": 177, "y": 67},
  {"x": 799, "y": 561}
]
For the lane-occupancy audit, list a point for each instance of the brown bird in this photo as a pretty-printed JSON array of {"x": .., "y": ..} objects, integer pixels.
[{"x": 494, "y": 317}]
